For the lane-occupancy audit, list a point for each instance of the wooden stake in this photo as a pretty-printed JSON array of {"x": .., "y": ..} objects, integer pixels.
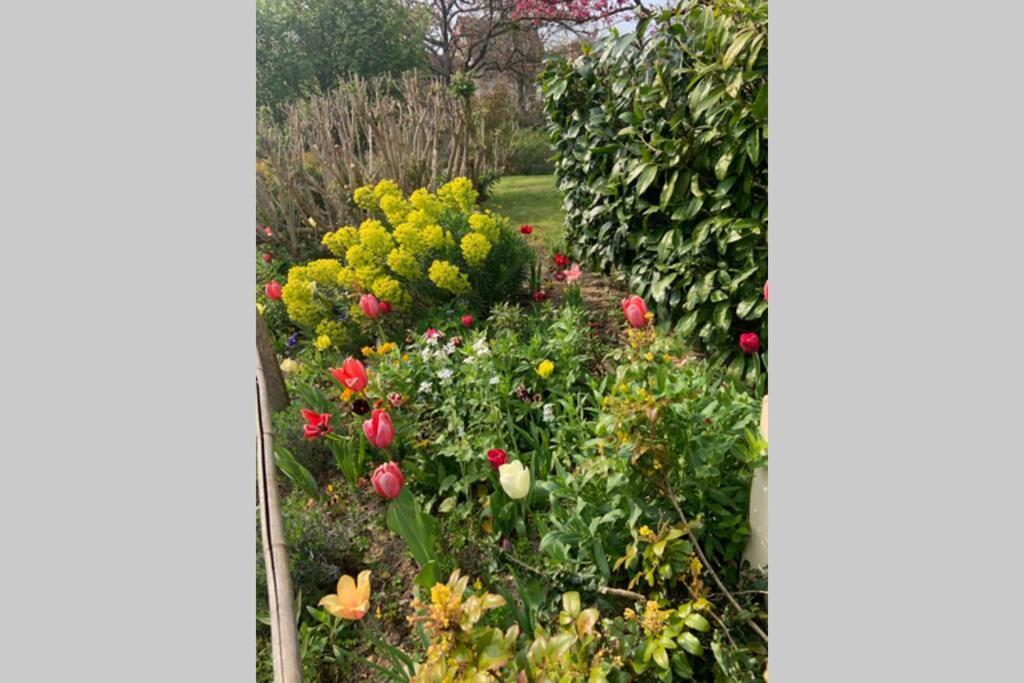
[{"x": 283, "y": 637}]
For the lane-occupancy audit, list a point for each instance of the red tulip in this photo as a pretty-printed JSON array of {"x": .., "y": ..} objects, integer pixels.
[
  {"x": 467, "y": 321},
  {"x": 766, "y": 290},
  {"x": 317, "y": 424},
  {"x": 635, "y": 311},
  {"x": 388, "y": 480},
  {"x": 749, "y": 342},
  {"x": 540, "y": 295},
  {"x": 370, "y": 305},
  {"x": 497, "y": 457},
  {"x": 378, "y": 429},
  {"x": 351, "y": 374},
  {"x": 385, "y": 307},
  {"x": 526, "y": 229},
  {"x": 562, "y": 261},
  {"x": 267, "y": 258},
  {"x": 560, "y": 276},
  {"x": 266, "y": 231},
  {"x": 273, "y": 290}
]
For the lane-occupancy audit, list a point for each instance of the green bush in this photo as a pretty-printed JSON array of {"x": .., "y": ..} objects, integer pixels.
[
  {"x": 662, "y": 154},
  {"x": 530, "y": 153}
]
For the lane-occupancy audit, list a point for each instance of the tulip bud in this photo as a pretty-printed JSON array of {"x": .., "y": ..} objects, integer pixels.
[
  {"x": 467, "y": 321},
  {"x": 635, "y": 311},
  {"x": 388, "y": 480},
  {"x": 273, "y": 290},
  {"x": 378, "y": 429},
  {"x": 515, "y": 479},
  {"x": 369, "y": 305}
]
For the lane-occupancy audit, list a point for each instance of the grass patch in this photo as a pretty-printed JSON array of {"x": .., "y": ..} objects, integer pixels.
[{"x": 532, "y": 199}]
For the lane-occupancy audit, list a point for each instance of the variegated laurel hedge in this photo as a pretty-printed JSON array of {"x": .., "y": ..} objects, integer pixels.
[{"x": 661, "y": 152}]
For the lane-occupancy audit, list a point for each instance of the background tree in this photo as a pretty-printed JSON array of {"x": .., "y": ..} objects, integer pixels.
[
  {"x": 463, "y": 33},
  {"x": 306, "y": 46}
]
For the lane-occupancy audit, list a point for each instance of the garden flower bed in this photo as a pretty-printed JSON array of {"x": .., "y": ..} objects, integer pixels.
[{"x": 485, "y": 484}]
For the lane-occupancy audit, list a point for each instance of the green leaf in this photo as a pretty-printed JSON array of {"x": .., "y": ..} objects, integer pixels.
[
  {"x": 698, "y": 622},
  {"x": 295, "y": 472},
  {"x": 658, "y": 290},
  {"x": 722, "y": 165},
  {"x": 405, "y": 518},
  {"x": 646, "y": 178},
  {"x": 689, "y": 642},
  {"x": 735, "y": 48}
]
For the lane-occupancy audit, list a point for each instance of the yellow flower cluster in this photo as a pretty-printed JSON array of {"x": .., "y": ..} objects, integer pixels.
[
  {"x": 459, "y": 194},
  {"x": 298, "y": 293},
  {"x": 486, "y": 225},
  {"x": 475, "y": 248},
  {"x": 448, "y": 277},
  {"x": 392, "y": 253},
  {"x": 333, "y": 330},
  {"x": 389, "y": 289},
  {"x": 403, "y": 262}
]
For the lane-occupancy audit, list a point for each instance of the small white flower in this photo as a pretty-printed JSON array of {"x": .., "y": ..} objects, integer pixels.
[
  {"x": 480, "y": 347},
  {"x": 448, "y": 349},
  {"x": 549, "y": 413},
  {"x": 431, "y": 341},
  {"x": 494, "y": 380},
  {"x": 426, "y": 388},
  {"x": 444, "y": 373}
]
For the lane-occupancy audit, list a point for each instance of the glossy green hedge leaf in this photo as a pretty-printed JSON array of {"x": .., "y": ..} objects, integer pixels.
[{"x": 647, "y": 177}]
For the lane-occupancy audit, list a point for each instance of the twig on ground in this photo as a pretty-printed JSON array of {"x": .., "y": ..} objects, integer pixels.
[{"x": 704, "y": 560}]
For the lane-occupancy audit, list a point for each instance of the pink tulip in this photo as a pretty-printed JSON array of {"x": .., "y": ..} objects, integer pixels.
[
  {"x": 467, "y": 321},
  {"x": 370, "y": 305},
  {"x": 388, "y": 480},
  {"x": 273, "y": 290},
  {"x": 573, "y": 274},
  {"x": 378, "y": 429},
  {"x": 351, "y": 374},
  {"x": 766, "y": 290},
  {"x": 635, "y": 311}
]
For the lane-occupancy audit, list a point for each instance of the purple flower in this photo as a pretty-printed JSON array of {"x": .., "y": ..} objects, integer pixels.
[{"x": 293, "y": 340}]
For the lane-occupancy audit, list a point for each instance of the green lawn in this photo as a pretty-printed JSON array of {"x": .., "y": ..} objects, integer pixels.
[{"x": 530, "y": 199}]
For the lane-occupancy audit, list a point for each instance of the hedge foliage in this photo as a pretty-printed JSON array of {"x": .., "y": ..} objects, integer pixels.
[{"x": 661, "y": 152}]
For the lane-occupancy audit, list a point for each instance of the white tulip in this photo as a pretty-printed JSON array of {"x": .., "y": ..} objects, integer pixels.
[{"x": 515, "y": 479}]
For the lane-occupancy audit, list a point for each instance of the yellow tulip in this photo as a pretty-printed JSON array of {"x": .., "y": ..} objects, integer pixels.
[
  {"x": 352, "y": 601},
  {"x": 289, "y": 365},
  {"x": 545, "y": 368},
  {"x": 515, "y": 479}
]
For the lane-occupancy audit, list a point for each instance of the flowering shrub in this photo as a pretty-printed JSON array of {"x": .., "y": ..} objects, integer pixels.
[{"x": 412, "y": 253}]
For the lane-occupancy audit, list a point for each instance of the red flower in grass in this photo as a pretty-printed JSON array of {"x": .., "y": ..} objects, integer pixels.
[
  {"x": 526, "y": 229},
  {"x": 273, "y": 290},
  {"x": 562, "y": 261},
  {"x": 750, "y": 342},
  {"x": 317, "y": 424},
  {"x": 467, "y": 321},
  {"x": 497, "y": 458}
]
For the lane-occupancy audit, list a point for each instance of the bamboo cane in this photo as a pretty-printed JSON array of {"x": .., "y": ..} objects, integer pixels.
[{"x": 283, "y": 637}]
